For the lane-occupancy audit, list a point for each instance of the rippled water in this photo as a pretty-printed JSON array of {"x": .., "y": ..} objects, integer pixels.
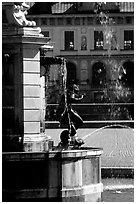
[{"x": 118, "y": 190}]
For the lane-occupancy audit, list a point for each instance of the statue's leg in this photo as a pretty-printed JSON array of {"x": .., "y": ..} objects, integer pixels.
[
  {"x": 64, "y": 120},
  {"x": 76, "y": 122},
  {"x": 76, "y": 119},
  {"x": 72, "y": 129}
]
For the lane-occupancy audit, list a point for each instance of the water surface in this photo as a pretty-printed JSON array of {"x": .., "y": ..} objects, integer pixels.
[{"x": 118, "y": 190}]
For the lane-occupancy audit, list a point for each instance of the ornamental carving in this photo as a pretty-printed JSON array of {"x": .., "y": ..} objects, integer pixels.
[{"x": 16, "y": 14}]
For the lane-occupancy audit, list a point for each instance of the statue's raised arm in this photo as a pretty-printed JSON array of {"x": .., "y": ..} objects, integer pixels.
[{"x": 16, "y": 14}]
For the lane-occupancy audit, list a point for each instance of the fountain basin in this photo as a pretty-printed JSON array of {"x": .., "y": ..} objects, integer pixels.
[{"x": 60, "y": 176}]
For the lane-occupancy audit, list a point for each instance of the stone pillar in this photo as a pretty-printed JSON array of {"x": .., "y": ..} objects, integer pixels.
[{"x": 25, "y": 43}]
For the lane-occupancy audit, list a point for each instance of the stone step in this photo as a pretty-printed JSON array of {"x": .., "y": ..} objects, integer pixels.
[
  {"x": 99, "y": 111},
  {"x": 95, "y": 124}
]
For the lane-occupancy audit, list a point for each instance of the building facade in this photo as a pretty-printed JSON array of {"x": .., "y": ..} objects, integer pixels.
[{"x": 97, "y": 41}]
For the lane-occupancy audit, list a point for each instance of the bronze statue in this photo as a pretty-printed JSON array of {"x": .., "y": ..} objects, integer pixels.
[{"x": 69, "y": 117}]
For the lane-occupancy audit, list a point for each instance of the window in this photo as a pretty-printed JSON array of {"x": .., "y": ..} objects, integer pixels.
[
  {"x": 97, "y": 21},
  {"x": 129, "y": 20},
  {"x": 89, "y": 21},
  {"x": 60, "y": 21},
  {"x": 128, "y": 39},
  {"x": 44, "y": 21},
  {"x": 69, "y": 40},
  {"x": 77, "y": 21},
  {"x": 120, "y": 20},
  {"x": 52, "y": 21},
  {"x": 83, "y": 21},
  {"x": 98, "y": 40},
  {"x": 69, "y": 21},
  {"x": 45, "y": 33}
]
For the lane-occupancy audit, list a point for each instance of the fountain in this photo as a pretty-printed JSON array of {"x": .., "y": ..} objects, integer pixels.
[
  {"x": 36, "y": 172},
  {"x": 40, "y": 172},
  {"x": 116, "y": 90},
  {"x": 70, "y": 118}
]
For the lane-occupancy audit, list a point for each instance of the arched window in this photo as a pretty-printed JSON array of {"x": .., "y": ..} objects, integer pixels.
[
  {"x": 71, "y": 72},
  {"x": 128, "y": 74},
  {"x": 98, "y": 74}
]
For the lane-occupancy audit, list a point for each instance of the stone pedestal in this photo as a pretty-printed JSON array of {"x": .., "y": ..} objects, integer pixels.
[
  {"x": 23, "y": 45},
  {"x": 57, "y": 176}
]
